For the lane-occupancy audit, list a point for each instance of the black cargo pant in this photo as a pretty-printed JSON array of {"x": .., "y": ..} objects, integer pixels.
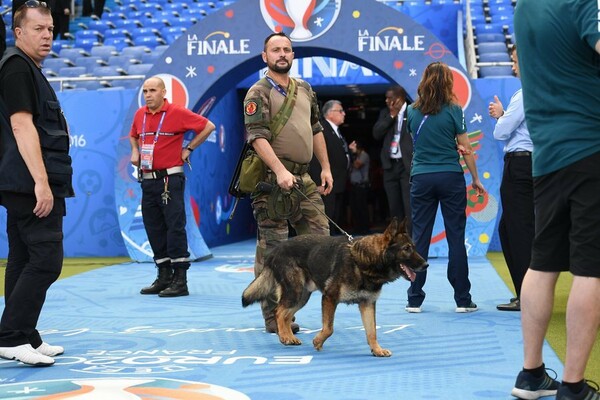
[{"x": 35, "y": 258}]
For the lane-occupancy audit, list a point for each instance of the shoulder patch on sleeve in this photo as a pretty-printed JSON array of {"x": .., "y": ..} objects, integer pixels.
[{"x": 253, "y": 110}]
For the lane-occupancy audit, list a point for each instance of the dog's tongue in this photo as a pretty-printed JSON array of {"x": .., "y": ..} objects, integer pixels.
[{"x": 410, "y": 274}]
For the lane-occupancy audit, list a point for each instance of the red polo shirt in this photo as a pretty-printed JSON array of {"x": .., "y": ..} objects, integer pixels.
[{"x": 178, "y": 120}]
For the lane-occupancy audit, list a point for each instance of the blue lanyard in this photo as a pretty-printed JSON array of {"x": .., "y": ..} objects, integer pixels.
[
  {"x": 276, "y": 86},
  {"x": 162, "y": 118},
  {"x": 419, "y": 130}
]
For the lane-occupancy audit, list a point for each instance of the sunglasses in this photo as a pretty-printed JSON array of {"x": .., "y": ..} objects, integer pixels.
[{"x": 33, "y": 4}]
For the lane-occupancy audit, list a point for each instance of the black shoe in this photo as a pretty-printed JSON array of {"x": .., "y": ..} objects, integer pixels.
[
  {"x": 163, "y": 279},
  {"x": 514, "y": 305},
  {"x": 178, "y": 286},
  {"x": 271, "y": 326},
  {"x": 588, "y": 393},
  {"x": 529, "y": 387}
]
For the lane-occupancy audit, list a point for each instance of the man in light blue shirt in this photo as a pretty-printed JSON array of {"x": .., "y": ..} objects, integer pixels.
[{"x": 516, "y": 228}]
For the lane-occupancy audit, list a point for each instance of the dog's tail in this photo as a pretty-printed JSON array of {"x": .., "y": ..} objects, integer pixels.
[{"x": 259, "y": 289}]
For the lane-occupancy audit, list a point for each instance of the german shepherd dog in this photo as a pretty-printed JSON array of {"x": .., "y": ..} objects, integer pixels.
[{"x": 343, "y": 271}]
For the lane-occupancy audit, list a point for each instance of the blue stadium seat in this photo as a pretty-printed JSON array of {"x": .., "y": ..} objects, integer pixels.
[
  {"x": 87, "y": 43},
  {"x": 88, "y": 33},
  {"x": 56, "y": 64},
  {"x": 149, "y": 41},
  {"x": 141, "y": 15},
  {"x": 128, "y": 23},
  {"x": 109, "y": 70},
  {"x": 172, "y": 33},
  {"x": 90, "y": 85},
  {"x": 104, "y": 51},
  {"x": 495, "y": 72},
  {"x": 156, "y": 23},
  {"x": 48, "y": 73},
  {"x": 90, "y": 62},
  {"x": 144, "y": 31},
  {"x": 160, "y": 49},
  {"x": 491, "y": 47},
  {"x": 117, "y": 32},
  {"x": 489, "y": 37},
  {"x": 175, "y": 7},
  {"x": 72, "y": 53},
  {"x": 494, "y": 57},
  {"x": 100, "y": 25},
  {"x": 72, "y": 72},
  {"x": 135, "y": 51},
  {"x": 150, "y": 7},
  {"x": 139, "y": 69},
  {"x": 119, "y": 42},
  {"x": 123, "y": 61},
  {"x": 480, "y": 28},
  {"x": 149, "y": 58}
]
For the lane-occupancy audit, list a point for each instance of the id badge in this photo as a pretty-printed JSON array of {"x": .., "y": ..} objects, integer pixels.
[{"x": 147, "y": 156}]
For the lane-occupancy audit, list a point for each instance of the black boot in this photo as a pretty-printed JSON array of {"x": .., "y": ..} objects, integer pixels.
[
  {"x": 178, "y": 286},
  {"x": 163, "y": 279}
]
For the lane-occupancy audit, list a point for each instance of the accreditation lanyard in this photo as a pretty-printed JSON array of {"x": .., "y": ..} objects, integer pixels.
[
  {"x": 147, "y": 153},
  {"x": 276, "y": 86},
  {"x": 419, "y": 130}
]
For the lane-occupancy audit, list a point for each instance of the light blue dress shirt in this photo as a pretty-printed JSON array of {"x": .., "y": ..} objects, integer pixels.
[{"x": 512, "y": 128}]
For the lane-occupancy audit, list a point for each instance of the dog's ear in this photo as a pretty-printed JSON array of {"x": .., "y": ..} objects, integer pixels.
[
  {"x": 402, "y": 226},
  {"x": 392, "y": 229}
]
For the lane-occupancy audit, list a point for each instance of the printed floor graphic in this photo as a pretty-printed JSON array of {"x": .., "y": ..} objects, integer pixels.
[{"x": 122, "y": 345}]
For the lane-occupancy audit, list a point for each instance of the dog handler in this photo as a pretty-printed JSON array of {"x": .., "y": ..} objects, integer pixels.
[{"x": 286, "y": 156}]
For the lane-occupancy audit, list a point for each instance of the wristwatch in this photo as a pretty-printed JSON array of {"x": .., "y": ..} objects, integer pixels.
[{"x": 189, "y": 148}]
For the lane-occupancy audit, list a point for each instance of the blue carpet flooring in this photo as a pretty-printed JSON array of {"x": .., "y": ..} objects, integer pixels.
[{"x": 122, "y": 345}]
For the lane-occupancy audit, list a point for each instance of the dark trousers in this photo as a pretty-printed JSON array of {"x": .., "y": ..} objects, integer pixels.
[
  {"x": 165, "y": 223},
  {"x": 517, "y": 223},
  {"x": 359, "y": 206},
  {"x": 448, "y": 190},
  {"x": 396, "y": 182},
  {"x": 334, "y": 208},
  {"x": 35, "y": 257},
  {"x": 97, "y": 10}
]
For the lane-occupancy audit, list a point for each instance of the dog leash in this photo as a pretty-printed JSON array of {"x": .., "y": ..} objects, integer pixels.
[{"x": 268, "y": 188}]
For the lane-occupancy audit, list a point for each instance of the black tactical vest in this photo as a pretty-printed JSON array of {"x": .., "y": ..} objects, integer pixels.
[{"x": 54, "y": 140}]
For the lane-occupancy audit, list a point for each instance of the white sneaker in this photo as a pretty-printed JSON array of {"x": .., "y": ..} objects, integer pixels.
[
  {"x": 412, "y": 309},
  {"x": 26, "y": 354},
  {"x": 49, "y": 350},
  {"x": 470, "y": 308}
]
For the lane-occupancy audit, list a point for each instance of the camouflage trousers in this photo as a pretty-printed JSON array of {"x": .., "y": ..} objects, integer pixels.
[{"x": 273, "y": 229}]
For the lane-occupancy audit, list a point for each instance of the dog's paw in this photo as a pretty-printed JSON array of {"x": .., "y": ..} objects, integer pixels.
[
  {"x": 290, "y": 341},
  {"x": 318, "y": 344},
  {"x": 379, "y": 352}
]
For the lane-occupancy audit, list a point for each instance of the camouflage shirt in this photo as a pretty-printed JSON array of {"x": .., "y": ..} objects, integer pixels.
[{"x": 295, "y": 141}]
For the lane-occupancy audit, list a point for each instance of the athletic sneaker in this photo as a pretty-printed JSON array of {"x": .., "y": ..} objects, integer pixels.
[
  {"x": 588, "y": 393},
  {"x": 529, "y": 387},
  {"x": 470, "y": 308},
  {"x": 49, "y": 350},
  {"x": 26, "y": 354},
  {"x": 412, "y": 309}
]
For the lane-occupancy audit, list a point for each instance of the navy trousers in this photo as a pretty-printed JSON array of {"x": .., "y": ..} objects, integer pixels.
[
  {"x": 165, "y": 223},
  {"x": 448, "y": 190}
]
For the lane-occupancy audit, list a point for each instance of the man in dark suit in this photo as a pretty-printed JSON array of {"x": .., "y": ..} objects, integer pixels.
[
  {"x": 396, "y": 153},
  {"x": 339, "y": 160}
]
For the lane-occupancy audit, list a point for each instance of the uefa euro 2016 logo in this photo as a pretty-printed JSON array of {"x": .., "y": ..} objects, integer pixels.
[{"x": 301, "y": 20}]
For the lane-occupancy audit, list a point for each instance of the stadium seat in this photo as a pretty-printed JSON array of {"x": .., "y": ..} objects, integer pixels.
[
  {"x": 104, "y": 51},
  {"x": 495, "y": 71},
  {"x": 494, "y": 57},
  {"x": 88, "y": 33},
  {"x": 160, "y": 49},
  {"x": 109, "y": 70},
  {"x": 144, "y": 31},
  {"x": 491, "y": 47},
  {"x": 87, "y": 43},
  {"x": 113, "y": 17},
  {"x": 156, "y": 23},
  {"x": 117, "y": 32},
  {"x": 90, "y": 62},
  {"x": 489, "y": 37},
  {"x": 72, "y": 72},
  {"x": 56, "y": 64},
  {"x": 91, "y": 85},
  {"x": 123, "y": 61},
  {"x": 72, "y": 53},
  {"x": 128, "y": 23},
  {"x": 135, "y": 51},
  {"x": 149, "y": 41},
  {"x": 139, "y": 69},
  {"x": 149, "y": 58},
  {"x": 481, "y": 28},
  {"x": 119, "y": 42},
  {"x": 49, "y": 72}
]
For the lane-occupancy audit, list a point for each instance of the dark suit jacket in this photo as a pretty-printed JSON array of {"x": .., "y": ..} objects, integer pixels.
[
  {"x": 384, "y": 129},
  {"x": 337, "y": 160}
]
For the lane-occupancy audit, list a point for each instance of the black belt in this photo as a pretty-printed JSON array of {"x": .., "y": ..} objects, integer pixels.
[
  {"x": 161, "y": 173},
  {"x": 517, "y": 154}
]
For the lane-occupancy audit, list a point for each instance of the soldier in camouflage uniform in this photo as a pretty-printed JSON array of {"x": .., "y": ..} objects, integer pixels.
[{"x": 287, "y": 157}]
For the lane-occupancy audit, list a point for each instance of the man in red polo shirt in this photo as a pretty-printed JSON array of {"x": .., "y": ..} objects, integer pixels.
[{"x": 156, "y": 139}]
